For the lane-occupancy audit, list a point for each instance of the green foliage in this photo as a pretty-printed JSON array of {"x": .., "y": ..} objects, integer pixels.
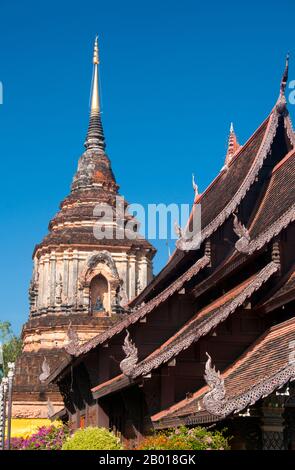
[
  {"x": 11, "y": 351},
  {"x": 186, "y": 439},
  {"x": 5, "y": 331},
  {"x": 92, "y": 439},
  {"x": 12, "y": 345}
]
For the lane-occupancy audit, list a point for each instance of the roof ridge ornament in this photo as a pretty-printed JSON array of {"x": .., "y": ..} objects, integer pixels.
[
  {"x": 216, "y": 397},
  {"x": 232, "y": 147},
  {"x": 195, "y": 186},
  {"x": 242, "y": 232},
  {"x": 281, "y": 104},
  {"x": 178, "y": 230},
  {"x": 128, "y": 364},
  {"x": 285, "y": 76},
  {"x": 45, "y": 370}
]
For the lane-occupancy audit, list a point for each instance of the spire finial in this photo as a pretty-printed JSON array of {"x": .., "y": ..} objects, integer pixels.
[
  {"x": 95, "y": 105},
  {"x": 95, "y": 137},
  {"x": 285, "y": 75},
  {"x": 233, "y": 144},
  {"x": 95, "y": 52}
]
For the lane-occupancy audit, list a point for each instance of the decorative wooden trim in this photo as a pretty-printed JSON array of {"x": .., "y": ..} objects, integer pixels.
[
  {"x": 289, "y": 130},
  {"x": 131, "y": 355},
  {"x": 217, "y": 403},
  {"x": 243, "y": 234},
  {"x": 262, "y": 153},
  {"x": 265, "y": 237},
  {"x": 207, "y": 251},
  {"x": 203, "y": 328}
]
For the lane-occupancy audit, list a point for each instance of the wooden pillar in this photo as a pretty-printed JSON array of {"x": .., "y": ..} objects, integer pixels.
[
  {"x": 167, "y": 386},
  {"x": 103, "y": 420}
]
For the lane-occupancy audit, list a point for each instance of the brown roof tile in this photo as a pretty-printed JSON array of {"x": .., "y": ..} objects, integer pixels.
[
  {"x": 254, "y": 373},
  {"x": 205, "y": 320},
  {"x": 201, "y": 323},
  {"x": 278, "y": 198}
]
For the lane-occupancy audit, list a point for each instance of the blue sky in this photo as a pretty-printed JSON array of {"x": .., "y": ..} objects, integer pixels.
[{"x": 173, "y": 74}]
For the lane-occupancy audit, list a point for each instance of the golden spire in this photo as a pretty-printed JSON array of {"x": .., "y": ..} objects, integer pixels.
[
  {"x": 95, "y": 137},
  {"x": 95, "y": 105}
]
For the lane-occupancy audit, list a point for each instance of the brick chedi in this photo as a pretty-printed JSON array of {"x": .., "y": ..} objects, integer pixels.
[{"x": 82, "y": 282}]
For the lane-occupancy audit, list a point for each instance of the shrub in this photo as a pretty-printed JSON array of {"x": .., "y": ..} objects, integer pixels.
[
  {"x": 46, "y": 438},
  {"x": 92, "y": 439},
  {"x": 186, "y": 439}
]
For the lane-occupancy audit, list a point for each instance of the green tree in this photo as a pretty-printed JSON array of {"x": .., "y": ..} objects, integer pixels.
[{"x": 11, "y": 344}]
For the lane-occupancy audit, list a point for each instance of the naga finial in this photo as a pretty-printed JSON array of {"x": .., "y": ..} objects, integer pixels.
[
  {"x": 73, "y": 341},
  {"x": 45, "y": 370},
  {"x": 243, "y": 234},
  {"x": 214, "y": 399},
  {"x": 195, "y": 186},
  {"x": 177, "y": 230},
  {"x": 128, "y": 364}
]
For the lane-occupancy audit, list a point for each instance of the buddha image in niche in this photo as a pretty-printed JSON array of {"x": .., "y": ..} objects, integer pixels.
[{"x": 99, "y": 294}]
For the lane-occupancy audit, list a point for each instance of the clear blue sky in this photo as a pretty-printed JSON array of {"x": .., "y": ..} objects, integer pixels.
[{"x": 174, "y": 74}]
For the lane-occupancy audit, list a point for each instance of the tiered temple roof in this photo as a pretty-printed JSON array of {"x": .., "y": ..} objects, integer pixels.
[
  {"x": 263, "y": 368},
  {"x": 228, "y": 292}
]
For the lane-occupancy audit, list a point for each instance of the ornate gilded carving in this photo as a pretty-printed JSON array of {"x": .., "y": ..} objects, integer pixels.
[{"x": 128, "y": 364}]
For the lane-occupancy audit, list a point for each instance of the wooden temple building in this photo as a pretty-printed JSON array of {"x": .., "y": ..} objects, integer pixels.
[
  {"x": 211, "y": 340},
  {"x": 80, "y": 281}
]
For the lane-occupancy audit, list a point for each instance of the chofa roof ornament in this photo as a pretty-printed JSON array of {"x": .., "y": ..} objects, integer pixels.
[{"x": 281, "y": 105}]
